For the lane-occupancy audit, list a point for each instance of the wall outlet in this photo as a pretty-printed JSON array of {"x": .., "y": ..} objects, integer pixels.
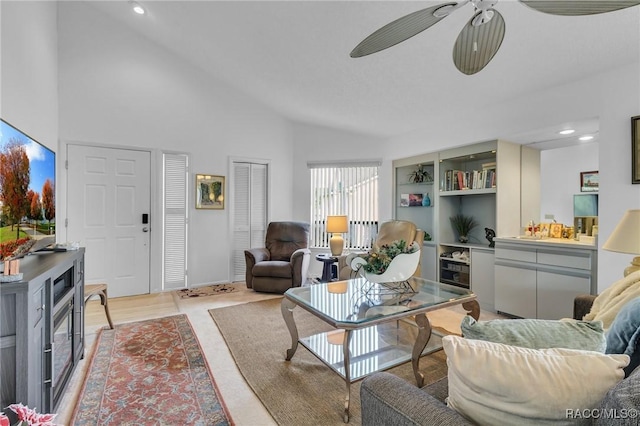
[{"x": 548, "y": 216}]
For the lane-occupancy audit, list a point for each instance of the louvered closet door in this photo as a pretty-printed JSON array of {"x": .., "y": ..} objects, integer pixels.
[
  {"x": 174, "y": 239},
  {"x": 250, "y": 212}
]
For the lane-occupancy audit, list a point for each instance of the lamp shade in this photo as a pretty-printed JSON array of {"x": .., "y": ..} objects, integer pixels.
[
  {"x": 625, "y": 238},
  {"x": 337, "y": 224}
]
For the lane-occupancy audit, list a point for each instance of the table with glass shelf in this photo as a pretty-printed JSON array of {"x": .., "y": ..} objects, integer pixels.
[{"x": 377, "y": 326}]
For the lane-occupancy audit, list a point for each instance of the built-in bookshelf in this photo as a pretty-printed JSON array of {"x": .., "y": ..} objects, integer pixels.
[
  {"x": 484, "y": 180},
  {"x": 415, "y": 191}
]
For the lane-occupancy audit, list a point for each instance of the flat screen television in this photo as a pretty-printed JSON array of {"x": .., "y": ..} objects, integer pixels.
[
  {"x": 585, "y": 205},
  {"x": 27, "y": 193}
]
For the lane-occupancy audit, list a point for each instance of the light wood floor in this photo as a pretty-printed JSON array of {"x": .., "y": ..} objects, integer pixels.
[{"x": 243, "y": 405}]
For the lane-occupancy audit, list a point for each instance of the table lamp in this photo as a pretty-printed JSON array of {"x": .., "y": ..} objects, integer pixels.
[
  {"x": 336, "y": 225},
  {"x": 625, "y": 238}
]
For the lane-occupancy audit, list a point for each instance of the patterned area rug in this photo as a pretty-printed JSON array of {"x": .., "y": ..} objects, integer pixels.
[
  {"x": 207, "y": 290},
  {"x": 149, "y": 372}
]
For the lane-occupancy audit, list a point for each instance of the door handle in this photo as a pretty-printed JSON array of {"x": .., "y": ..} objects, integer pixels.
[{"x": 145, "y": 229}]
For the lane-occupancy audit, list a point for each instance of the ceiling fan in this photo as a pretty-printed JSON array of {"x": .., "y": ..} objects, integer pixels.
[{"x": 481, "y": 37}]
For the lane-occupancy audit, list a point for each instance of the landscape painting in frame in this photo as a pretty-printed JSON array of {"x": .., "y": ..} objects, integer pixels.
[
  {"x": 589, "y": 181},
  {"x": 209, "y": 192},
  {"x": 27, "y": 193}
]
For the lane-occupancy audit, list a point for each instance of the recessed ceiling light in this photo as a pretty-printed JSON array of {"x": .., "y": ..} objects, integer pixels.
[
  {"x": 585, "y": 138},
  {"x": 566, "y": 131},
  {"x": 137, "y": 8}
]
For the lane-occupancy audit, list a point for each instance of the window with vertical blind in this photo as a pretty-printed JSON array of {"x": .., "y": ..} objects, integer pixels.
[
  {"x": 175, "y": 220},
  {"x": 345, "y": 189}
]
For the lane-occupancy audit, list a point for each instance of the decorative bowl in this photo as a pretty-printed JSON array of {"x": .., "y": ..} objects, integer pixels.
[{"x": 400, "y": 269}]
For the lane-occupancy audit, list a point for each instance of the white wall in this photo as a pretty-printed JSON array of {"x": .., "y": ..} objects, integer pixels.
[
  {"x": 118, "y": 88},
  {"x": 560, "y": 179},
  {"x": 29, "y": 69}
]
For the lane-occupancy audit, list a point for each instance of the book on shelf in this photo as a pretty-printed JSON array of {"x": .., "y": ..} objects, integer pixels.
[{"x": 456, "y": 180}]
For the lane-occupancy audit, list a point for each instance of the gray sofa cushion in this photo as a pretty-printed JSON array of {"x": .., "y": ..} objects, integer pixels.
[
  {"x": 537, "y": 333},
  {"x": 391, "y": 401},
  {"x": 622, "y": 403}
]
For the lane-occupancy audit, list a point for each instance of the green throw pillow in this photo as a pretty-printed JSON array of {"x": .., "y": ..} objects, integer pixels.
[{"x": 538, "y": 334}]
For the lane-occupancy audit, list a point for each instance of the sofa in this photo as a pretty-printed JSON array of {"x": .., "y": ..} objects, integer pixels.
[{"x": 389, "y": 400}]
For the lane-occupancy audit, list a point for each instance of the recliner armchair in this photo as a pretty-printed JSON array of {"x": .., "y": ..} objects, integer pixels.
[
  {"x": 389, "y": 232},
  {"x": 283, "y": 262}
]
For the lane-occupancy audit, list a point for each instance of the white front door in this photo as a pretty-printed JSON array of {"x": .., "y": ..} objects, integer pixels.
[{"x": 108, "y": 196}]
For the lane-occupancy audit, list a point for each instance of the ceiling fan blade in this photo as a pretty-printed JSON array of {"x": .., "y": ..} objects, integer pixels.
[
  {"x": 400, "y": 30},
  {"x": 477, "y": 44},
  {"x": 578, "y": 7}
]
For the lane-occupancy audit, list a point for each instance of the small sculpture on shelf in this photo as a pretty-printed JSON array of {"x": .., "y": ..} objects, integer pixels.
[
  {"x": 420, "y": 175},
  {"x": 490, "y": 235}
]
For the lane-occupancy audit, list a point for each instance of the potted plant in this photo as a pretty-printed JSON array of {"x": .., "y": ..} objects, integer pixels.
[
  {"x": 420, "y": 175},
  {"x": 463, "y": 225}
]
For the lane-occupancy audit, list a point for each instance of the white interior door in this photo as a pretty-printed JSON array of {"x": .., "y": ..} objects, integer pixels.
[{"x": 108, "y": 193}]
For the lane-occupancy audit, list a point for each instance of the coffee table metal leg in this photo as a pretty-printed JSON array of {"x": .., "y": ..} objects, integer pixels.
[
  {"x": 424, "y": 334},
  {"x": 347, "y": 372},
  {"x": 286, "y": 307},
  {"x": 473, "y": 309}
]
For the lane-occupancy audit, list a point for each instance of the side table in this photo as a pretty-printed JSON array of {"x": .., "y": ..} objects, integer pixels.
[{"x": 328, "y": 261}]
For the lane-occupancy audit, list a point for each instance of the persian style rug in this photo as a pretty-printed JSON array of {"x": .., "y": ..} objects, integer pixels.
[
  {"x": 303, "y": 391},
  {"x": 207, "y": 290},
  {"x": 149, "y": 372}
]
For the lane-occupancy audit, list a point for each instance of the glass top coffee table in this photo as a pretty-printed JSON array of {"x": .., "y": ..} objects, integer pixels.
[{"x": 374, "y": 326}]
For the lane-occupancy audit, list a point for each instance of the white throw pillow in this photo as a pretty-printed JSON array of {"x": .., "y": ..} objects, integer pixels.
[{"x": 493, "y": 383}]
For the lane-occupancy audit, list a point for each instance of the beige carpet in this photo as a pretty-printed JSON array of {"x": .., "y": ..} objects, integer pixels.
[{"x": 302, "y": 391}]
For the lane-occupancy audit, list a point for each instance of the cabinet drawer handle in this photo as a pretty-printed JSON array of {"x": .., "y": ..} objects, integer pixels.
[{"x": 41, "y": 308}]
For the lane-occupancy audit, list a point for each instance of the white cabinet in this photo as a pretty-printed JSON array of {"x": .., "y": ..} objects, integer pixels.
[
  {"x": 540, "y": 279},
  {"x": 556, "y": 291},
  {"x": 515, "y": 291},
  {"x": 483, "y": 277},
  {"x": 428, "y": 262}
]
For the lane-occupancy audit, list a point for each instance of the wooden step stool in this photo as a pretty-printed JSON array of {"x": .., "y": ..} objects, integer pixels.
[{"x": 100, "y": 290}]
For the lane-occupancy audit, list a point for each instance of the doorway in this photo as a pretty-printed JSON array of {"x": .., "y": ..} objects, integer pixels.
[{"x": 108, "y": 206}]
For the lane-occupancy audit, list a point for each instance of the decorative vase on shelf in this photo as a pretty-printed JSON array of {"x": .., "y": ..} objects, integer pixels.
[{"x": 426, "y": 201}]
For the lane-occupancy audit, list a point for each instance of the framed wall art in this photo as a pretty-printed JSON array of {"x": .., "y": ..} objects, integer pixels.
[
  {"x": 555, "y": 230},
  {"x": 635, "y": 149},
  {"x": 209, "y": 192},
  {"x": 589, "y": 181}
]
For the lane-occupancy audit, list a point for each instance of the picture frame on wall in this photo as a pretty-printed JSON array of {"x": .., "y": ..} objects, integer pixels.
[
  {"x": 635, "y": 149},
  {"x": 589, "y": 181},
  {"x": 210, "y": 192}
]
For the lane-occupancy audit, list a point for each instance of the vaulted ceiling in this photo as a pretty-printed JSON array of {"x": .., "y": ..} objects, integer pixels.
[{"x": 294, "y": 56}]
